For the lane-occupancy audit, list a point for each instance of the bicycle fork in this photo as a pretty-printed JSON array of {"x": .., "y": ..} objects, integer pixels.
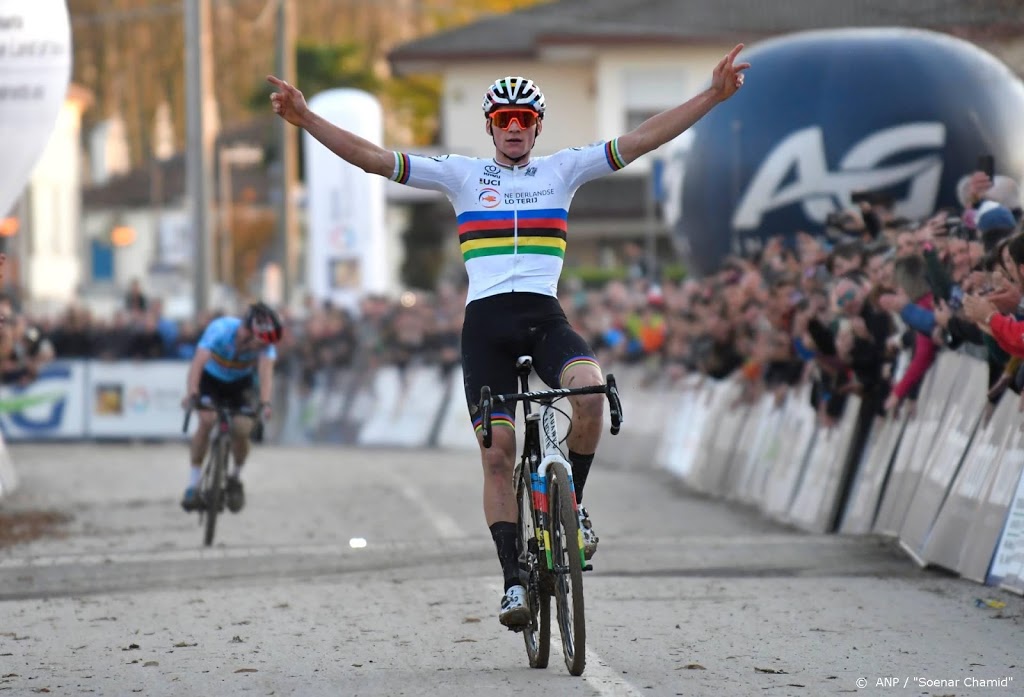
[{"x": 539, "y": 489}]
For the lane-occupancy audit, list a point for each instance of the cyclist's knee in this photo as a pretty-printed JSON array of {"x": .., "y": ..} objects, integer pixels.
[
  {"x": 206, "y": 421},
  {"x": 241, "y": 427},
  {"x": 499, "y": 458},
  {"x": 589, "y": 407}
]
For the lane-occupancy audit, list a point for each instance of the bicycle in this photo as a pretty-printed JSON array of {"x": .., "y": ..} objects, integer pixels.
[
  {"x": 213, "y": 479},
  {"x": 550, "y": 544}
]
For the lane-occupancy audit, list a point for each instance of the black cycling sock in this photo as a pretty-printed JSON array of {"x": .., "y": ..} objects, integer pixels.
[
  {"x": 580, "y": 469},
  {"x": 504, "y": 535}
]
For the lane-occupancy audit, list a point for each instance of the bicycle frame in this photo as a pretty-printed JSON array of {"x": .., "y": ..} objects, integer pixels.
[
  {"x": 221, "y": 430},
  {"x": 548, "y": 450},
  {"x": 549, "y": 453}
]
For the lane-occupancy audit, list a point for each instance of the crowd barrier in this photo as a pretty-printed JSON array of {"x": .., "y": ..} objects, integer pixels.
[
  {"x": 73, "y": 400},
  {"x": 943, "y": 482},
  {"x": 8, "y": 475}
]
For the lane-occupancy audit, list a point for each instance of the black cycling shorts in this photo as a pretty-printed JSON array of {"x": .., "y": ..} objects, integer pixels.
[
  {"x": 233, "y": 395},
  {"x": 499, "y": 329}
]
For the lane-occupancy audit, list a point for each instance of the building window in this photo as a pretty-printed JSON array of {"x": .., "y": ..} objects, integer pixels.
[
  {"x": 650, "y": 90},
  {"x": 635, "y": 117}
]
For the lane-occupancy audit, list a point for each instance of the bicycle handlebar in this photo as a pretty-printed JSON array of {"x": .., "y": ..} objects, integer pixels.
[
  {"x": 257, "y": 415},
  {"x": 614, "y": 404},
  {"x": 487, "y": 402}
]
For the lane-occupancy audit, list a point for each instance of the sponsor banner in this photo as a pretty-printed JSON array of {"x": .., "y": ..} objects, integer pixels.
[
  {"x": 51, "y": 407},
  {"x": 896, "y": 496},
  {"x": 983, "y": 536},
  {"x": 879, "y": 454},
  {"x": 645, "y": 411},
  {"x": 953, "y": 526},
  {"x": 746, "y": 461},
  {"x": 455, "y": 430},
  {"x": 405, "y": 406},
  {"x": 723, "y": 455},
  {"x": 796, "y": 435},
  {"x": 686, "y": 422},
  {"x": 765, "y": 457},
  {"x": 817, "y": 496},
  {"x": 8, "y": 477},
  {"x": 714, "y": 406},
  {"x": 135, "y": 400},
  {"x": 681, "y": 402},
  {"x": 1005, "y": 505},
  {"x": 959, "y": 419},
  {"x": 689, "y": 457},
  {"x": 717, "y": 446}
]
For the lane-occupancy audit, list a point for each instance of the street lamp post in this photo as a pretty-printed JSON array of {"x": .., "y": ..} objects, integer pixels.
[
  {"x": 287, "y": 230},
  {"x": 198, "y": 79}
]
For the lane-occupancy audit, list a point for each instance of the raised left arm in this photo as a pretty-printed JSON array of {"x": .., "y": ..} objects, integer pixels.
[{"x": 726, "y": 79}]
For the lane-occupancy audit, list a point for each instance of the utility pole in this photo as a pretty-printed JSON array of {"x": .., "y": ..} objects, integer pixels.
[
  {"x": 287, "y": 227},
  {"x": 198, "y": 83}
]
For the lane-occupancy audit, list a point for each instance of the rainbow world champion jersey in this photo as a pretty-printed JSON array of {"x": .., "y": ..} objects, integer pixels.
[
  {"x": 225, "y": 363},
  {"x": 512, "y": 220}
]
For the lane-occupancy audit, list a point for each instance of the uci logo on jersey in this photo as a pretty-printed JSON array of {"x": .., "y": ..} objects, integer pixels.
[
  {"x": 489, "y": 198},
  {"x": 796, "y": 172}
]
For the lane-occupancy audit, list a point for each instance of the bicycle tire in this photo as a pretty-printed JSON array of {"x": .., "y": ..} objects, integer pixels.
[
  {"x": 213, "y": 493},
  {"x": 567, "y": 558},
  {"x": 537, "y": 636}
]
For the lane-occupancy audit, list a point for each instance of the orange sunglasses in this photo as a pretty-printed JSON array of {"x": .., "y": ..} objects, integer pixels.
[{"x": 524, "y": 117}]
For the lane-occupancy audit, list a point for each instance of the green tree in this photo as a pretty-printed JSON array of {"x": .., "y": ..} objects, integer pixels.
[{"x": 324, "y": 67}]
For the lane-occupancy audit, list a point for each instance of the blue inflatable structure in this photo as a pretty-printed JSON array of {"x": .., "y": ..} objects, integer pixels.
[{"x": 827, "y": 113}]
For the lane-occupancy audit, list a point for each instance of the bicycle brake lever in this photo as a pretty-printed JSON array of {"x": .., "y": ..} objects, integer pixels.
[{"x": 614, "y": 404}]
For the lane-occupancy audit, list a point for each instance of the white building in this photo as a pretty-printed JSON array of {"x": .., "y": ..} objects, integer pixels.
[
  {"x": 46, "y": 255},
  {"x": 606, "y": 65}
]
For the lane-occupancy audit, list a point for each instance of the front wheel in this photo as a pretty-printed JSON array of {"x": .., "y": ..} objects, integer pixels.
[
  {"x": 213, "y": 489},
  {"x": 532, "y": 569},
  {"x": 567, "y": 562}
]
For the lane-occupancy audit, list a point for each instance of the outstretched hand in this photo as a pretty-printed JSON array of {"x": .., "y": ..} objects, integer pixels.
[
  {"x": 728, "y": 75},
  {"x": 288, "y": 102}
]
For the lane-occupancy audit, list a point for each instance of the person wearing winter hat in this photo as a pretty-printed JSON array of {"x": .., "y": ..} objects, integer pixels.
[{"x": 994, "y": 222}]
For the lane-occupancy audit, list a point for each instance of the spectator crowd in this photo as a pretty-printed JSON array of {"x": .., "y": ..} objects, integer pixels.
[{"x": 835, "y": 310}]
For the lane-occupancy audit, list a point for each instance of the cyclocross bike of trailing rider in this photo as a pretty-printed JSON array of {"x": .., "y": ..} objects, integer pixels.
[{"x": 234, "y": 356}]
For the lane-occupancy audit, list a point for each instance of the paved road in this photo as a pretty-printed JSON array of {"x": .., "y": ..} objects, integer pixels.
[{"x": 689, "y": 596}]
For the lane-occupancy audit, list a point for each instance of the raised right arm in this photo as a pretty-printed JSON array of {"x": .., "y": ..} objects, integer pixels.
[{"x": 289, "y": 104}]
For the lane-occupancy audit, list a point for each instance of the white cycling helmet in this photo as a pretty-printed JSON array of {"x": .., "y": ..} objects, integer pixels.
[{"x": 514, "y": 91}]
